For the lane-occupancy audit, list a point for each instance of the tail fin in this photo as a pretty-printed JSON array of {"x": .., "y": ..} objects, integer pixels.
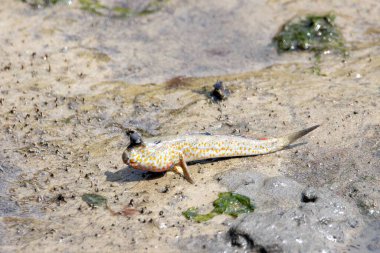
[
  {"x": 265, "y": 146},
  {"x": 284, "y": 141},
  {"x": 289, "y": 139}
]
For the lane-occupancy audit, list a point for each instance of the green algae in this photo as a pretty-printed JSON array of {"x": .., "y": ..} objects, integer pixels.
[
  {"x": 315, "y": 33},
  {"x": 92, "y": 6},
  {"x": 227, "y": 203},
  {"x": 152, "y": 7},
  {"x": 44, "y": 3},
  {"x": 95, "y": 7},
  {"x": 94, "y": 199},
  {"x": 102, "y": 8},
  {"x": 193, "y": 214},
  {"x": 122, "y": 11}
]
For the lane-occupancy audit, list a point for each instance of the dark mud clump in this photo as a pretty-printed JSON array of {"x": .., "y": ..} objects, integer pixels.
[
  {"x": 316, "y": 33},
  {"x": 219, "y": 92}
]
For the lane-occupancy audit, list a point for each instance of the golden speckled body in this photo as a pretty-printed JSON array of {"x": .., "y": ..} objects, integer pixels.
[{"x": 162, "y": 155}]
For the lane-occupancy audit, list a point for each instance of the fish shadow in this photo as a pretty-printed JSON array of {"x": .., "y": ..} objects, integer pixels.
[
  {"x": 128, "y": 174},
  {"x": 291, "y": 146}
]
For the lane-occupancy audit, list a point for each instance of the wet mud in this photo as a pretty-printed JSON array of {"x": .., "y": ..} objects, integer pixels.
[{"x": 70, "y": 78}]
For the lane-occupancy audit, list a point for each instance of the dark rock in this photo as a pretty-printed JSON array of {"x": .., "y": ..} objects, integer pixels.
[{"x": 290, "y": 217}]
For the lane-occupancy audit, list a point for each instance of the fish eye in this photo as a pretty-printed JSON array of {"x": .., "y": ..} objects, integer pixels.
[{"x": 135, "y": 139}]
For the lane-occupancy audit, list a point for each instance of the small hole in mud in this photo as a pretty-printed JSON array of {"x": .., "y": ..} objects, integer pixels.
[
  {"x": 309, "y": 195},
  {"x": 262, "y": 250},
  {"x": 308, "y": 199}
]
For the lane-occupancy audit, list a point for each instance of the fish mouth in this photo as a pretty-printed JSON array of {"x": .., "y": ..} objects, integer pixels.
[{"x": 133, "y": 164}]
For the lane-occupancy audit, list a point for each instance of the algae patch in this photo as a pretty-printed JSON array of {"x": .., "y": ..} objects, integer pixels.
[
  {"x": 117, "y": 9},
  {"x": 93, "y": 7},
  {"x": 316, "y": 33},
  {"x": 44, "y": 3},
  {"x": 94, "y": 199},
  {"x": 124, "y": 9},
  {"x": 227, "y": 203},
  {"x": 152, "y": 7}
]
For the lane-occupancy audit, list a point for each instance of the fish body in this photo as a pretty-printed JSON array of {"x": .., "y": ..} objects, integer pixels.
[{"x": 163, "y": 154}]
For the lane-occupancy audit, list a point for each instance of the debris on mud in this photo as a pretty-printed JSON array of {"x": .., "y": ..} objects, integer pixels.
[
  {"x": 178, "y": 82},
  {"x": 94, "y": 200},
  {"x": 128, "y": 211},
  {"x": 219, "y": 92},
  {"x": 316, "y": 33},
  {"x": 227, "y": 203}
]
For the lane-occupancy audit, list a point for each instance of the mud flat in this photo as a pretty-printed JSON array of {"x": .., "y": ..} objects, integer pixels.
[{"x": 69, "y": 76}]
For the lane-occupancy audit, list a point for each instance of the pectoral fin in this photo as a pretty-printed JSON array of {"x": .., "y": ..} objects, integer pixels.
[
  {"x": 185, "y": 169},
  {"x": 186, "y": 173}
]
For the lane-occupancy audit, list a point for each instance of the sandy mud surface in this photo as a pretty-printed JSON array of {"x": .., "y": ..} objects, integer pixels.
[{"x": 69, "y": 77}]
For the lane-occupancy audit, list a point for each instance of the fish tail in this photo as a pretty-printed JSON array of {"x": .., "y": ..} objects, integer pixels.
[{"x": 289, "y": 139}]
